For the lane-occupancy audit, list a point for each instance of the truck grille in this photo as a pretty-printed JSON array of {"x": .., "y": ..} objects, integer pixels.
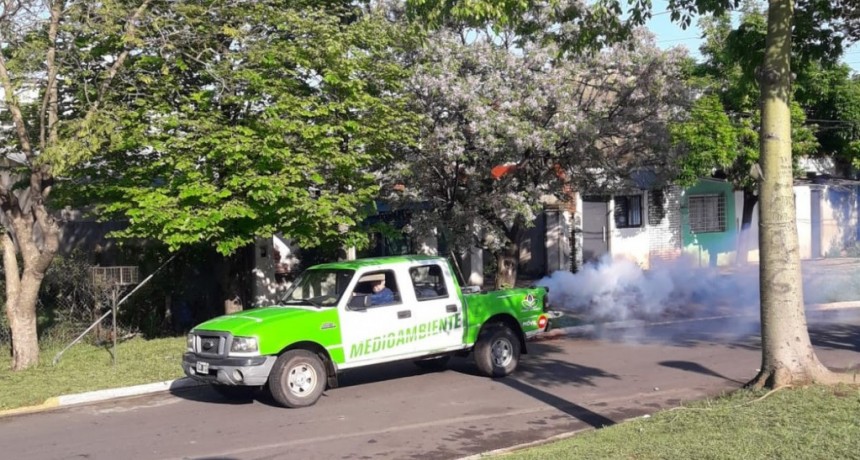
[{"x": 211, "y": 345}]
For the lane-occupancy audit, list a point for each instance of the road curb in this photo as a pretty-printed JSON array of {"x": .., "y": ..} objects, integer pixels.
[{"x": 103, "y": 395}]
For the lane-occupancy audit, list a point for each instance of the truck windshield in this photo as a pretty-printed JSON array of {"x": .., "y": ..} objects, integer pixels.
[{"x": 320, "y": 288}]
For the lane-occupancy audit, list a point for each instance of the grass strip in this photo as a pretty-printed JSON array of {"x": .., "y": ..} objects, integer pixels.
[
  {"x": 86, "y": 367},
  {"x": 815, "y": 422}
]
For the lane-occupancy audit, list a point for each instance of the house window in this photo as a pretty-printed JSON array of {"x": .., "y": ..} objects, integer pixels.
[
  {"x": 707, "y": 213},
  {"x": 628, "y": 211}
]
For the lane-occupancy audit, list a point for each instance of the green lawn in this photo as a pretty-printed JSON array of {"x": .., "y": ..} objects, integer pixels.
[
  {"x": 807, "y": 423},
  {"x": 87, "y": 367}
]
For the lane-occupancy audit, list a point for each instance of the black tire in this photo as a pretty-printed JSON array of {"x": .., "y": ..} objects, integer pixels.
[
  {"x": 497, "y": 351},
  {"x": 298, "y": 379},
  {"x": 236, "y": 392},
  {"x": 437, "y": 364}
]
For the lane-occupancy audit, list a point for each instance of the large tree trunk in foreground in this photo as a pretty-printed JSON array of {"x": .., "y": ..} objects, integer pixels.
[{"x": 787, "y": 354}]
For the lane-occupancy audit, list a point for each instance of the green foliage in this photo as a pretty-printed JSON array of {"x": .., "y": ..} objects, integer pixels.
[
  {"x": 709, "y": 136},
  {"x": 722, "y": 130},
  {"x": 252, "y": 119},
  {"x": 832, "y": 98}
]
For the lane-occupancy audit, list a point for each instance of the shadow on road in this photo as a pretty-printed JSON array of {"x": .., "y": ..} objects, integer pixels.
[
  {"x": 697, "y": 368},
  {"x": 361, "y": 376},
  {"x": 836, "y": 336},
  {"x": 205, "y": 393},
  {"x": 733, "y": 332},
  {"x": 541, "y": 367},
  {"x": 574, "y": 410}
]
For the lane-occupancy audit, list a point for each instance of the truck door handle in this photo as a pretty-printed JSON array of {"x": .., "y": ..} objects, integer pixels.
[
  {"x": 451, "y": 308},
  {"x": 404, "y": 314}
]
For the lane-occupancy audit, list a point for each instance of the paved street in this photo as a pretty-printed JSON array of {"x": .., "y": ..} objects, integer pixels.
[{"x": 400, "y": 412}]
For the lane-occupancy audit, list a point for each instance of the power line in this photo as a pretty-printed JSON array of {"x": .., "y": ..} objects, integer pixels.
[{"x": 679, "y": 39}]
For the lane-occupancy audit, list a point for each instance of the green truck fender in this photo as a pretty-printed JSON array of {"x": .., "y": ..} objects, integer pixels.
[{"x": 522, "y": 310}]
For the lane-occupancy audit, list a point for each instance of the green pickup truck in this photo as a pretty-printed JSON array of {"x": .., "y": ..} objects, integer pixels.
[{"x": 345, "y": 315}]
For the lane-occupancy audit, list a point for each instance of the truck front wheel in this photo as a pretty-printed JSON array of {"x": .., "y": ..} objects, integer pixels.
[
  {"x": 298, "y": 379},
  {"x": 497, "y": 351}
]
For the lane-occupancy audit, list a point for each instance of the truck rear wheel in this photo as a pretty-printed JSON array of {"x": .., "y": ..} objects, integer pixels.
[
  {"x": 497, "y": 351},
  {"x": 298, "y": 379}
]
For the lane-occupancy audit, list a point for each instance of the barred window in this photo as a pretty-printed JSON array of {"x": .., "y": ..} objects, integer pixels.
[
  {"x": 628, "y": 211},
  {"x": 707, "y": 213}
]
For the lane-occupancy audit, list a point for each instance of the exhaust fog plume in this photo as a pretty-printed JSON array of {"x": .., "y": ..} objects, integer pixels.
[{"x": 619, "y": 290}]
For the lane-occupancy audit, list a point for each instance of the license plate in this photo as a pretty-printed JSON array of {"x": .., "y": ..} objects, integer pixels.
[{"x": 202, "y": 367}]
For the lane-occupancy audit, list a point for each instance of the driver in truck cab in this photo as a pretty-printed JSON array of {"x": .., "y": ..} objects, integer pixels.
[{"x": 379, "y": 294}]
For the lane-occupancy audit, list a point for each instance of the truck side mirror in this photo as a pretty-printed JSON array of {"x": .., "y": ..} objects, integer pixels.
[{"x": 359, "y": 302}]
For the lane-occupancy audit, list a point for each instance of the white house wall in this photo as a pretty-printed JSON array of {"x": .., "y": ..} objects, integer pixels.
[
  {"x": 838, "y": 219},
  {"x": 631, "y": 243},
  {"x": 803, "y": 207},
  {"x": 664, "y": 235},
  {"x": 838, "y": 224}
]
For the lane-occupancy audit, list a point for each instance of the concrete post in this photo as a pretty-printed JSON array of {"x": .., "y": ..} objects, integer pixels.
[
  {"x": 265, "y": 286},
  {"x": 557, "y": 240},
  {"x": 473, "y": 267}
]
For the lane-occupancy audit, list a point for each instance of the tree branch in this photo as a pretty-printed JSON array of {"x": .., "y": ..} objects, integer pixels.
[
  {"x": 15, "y": 109},
  {"x": 51, "y": 241},
  {"x": 49, "y": 101},
  {"x": 127, "y": 36}
]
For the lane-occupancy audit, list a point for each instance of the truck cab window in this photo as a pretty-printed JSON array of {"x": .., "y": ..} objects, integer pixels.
[
  {"x": 428, "y": 282},
  {"x": 381, "y": 287}
]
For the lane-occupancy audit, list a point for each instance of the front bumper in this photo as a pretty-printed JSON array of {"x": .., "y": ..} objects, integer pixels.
[{"x": 253, "y": 371}]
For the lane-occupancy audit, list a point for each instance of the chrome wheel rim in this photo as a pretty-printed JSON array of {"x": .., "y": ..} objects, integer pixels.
[
  {"x": 502, "y": 352},
  {"x": 302, "y": 379}
]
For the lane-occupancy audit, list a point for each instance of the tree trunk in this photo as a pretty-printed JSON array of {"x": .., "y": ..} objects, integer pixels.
[
  {"x": 745, "y": 237},
  {"x": 230, "y": 283},
  {"x": 787, "y": 354},
  {"x": 22, "y": 288},
  {"x": 507, "y": 261}
]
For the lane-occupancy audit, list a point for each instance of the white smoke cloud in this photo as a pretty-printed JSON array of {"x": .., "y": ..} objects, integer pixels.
[{"x": 618, "y": 289}]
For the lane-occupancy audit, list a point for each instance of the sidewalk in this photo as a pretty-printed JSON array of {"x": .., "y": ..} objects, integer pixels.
[{"x": 184, "y": 383}]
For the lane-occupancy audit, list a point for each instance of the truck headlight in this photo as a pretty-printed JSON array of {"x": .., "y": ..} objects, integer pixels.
[
  {"x": 244, "y": 345},
  {"x": 189, "y": 342}
]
